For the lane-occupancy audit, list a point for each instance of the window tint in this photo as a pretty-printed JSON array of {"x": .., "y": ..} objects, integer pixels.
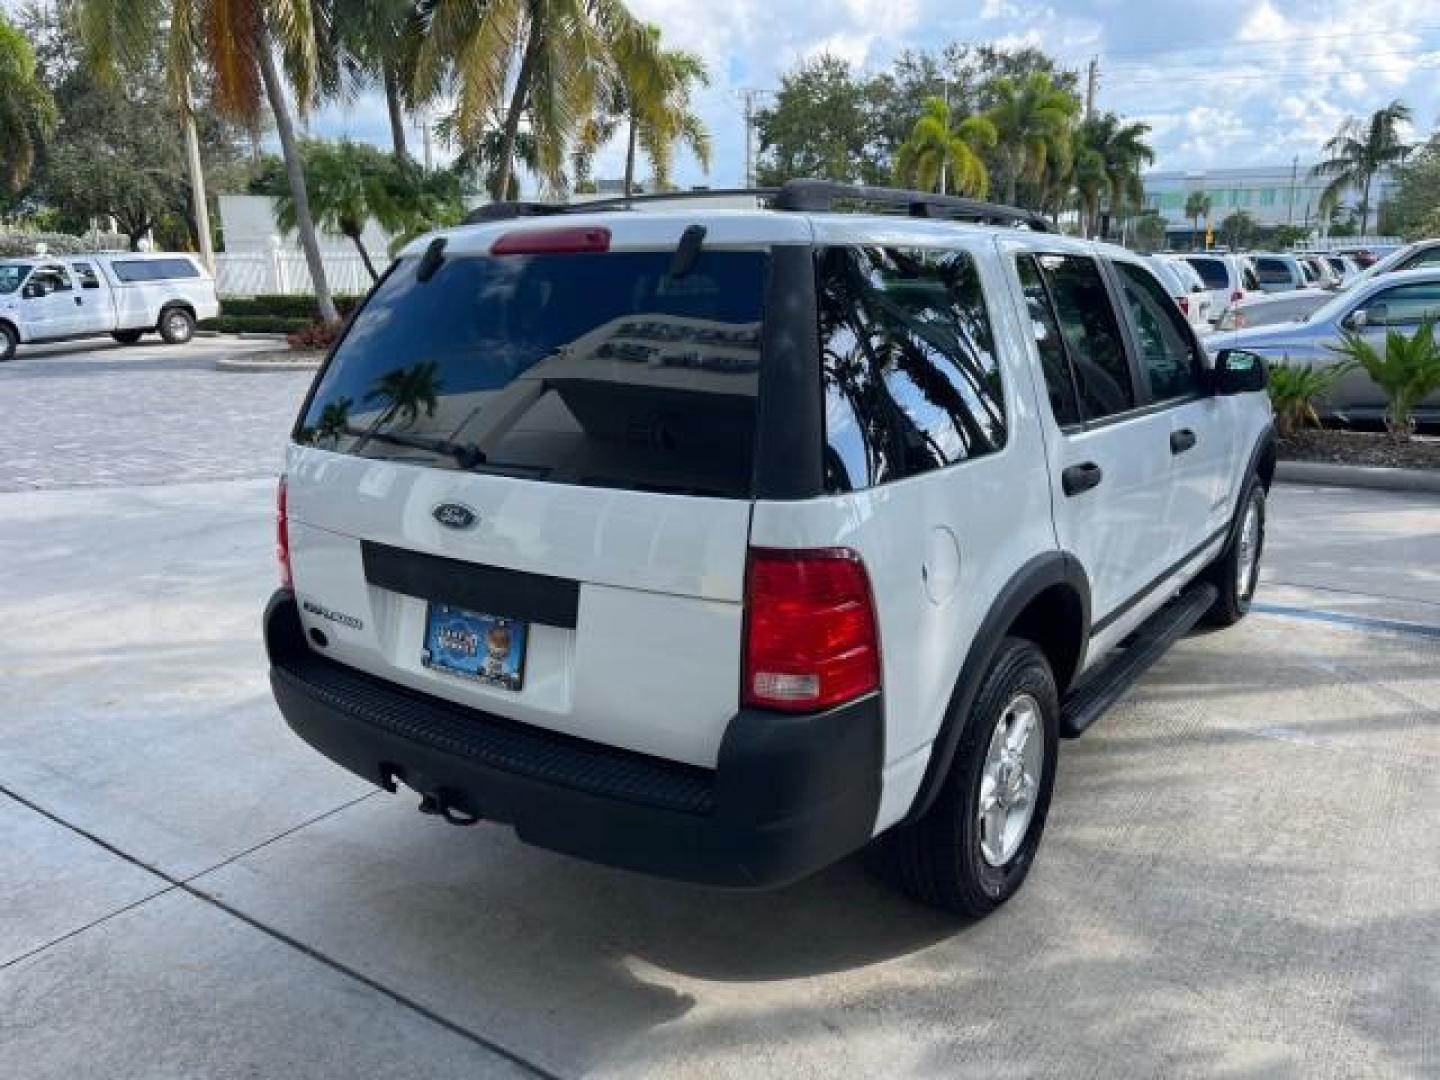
[
  {"x": 1212, "y": 272},
  {"x": 132, "y": 271},
  {"x": 1059, "y": 382},
  {"x": 1273, "y": 272},
  {"x": 912, "y": 382},
  {"x": 85, "y": 274},
  {"x": 1404, "y": 305},
  {"x": 1167, "y": 354},
  {"x": 52, "y": 277},
  {"x": 1091, "y": 333},
  {"x": 583, "y": 369}
]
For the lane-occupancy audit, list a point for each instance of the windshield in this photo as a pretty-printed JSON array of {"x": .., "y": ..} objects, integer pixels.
[
  {"x": 599, "y": 370},
  {"x": 11, "y": 276}
]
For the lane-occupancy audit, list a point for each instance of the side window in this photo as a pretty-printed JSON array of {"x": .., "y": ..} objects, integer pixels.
[
  {"x": 912, "y": 382},
  {"x": 85, "y": 274},
  {"x": 1059, "y": 380},
  {"x": 1091, "y": 333},
  {"x": 1273, "y": 272},
  {"x": 1212, "y": 272},
  {"x": 1167, "y": 355},
  {"x": 175, "y": 269},
  {"x": 1404, "y": 305},
  {"x": 54, "y": 278},
  {"x": 1428, "y": 257}
]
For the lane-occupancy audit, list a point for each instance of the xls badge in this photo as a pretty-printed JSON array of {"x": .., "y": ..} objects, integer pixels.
[{"x": 332, "y": 616}]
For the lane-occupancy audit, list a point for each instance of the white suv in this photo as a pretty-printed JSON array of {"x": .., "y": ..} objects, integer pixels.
[{"x": 717, "y": 544}]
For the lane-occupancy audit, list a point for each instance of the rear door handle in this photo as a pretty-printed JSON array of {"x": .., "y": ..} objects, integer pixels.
[
  {"x": 1078, "y": 478},
  {"x": 79, "y": 301},
  {"x": 1181, "y": 440}
]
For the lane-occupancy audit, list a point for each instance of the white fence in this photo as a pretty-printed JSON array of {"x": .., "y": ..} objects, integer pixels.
[{"x": 281, "y": 271}]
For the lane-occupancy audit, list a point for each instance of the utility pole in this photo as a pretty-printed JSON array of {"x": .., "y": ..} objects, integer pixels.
[
  {"x": 1092, "y": 83},
  {"x": 1294, "y": 175},
  {"x": 750, "y": 96},
  {"x": 945, "y": 93}
]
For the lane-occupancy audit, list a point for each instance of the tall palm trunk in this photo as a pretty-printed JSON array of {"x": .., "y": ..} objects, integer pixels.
[
  {"x": 1012, "y": 177},
  {"x": 511, "y": 130},
  {"x": 1365, "y": 205},
  {"x": 630, "y": 159},
  {"x": 364, "y": 255},
  {"x": 397, "y": 114},
  {"x": 197, "y": 182},
  {"x": 295, "y": 173}
]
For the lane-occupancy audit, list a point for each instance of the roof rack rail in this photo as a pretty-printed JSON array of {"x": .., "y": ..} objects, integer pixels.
[
  {"x": 504, "y": 211},
  {"x": 809, "y": 196},
  {"x": 817, "y": 196}
]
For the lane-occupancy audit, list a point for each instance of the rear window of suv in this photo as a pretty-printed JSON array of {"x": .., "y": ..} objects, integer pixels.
[
  {"x": 1212, "y": 272},
  {"x": 598, "y": 370}
]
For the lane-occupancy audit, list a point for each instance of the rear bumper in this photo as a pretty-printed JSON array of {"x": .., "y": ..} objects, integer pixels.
[{"x": 790, "y": 794}]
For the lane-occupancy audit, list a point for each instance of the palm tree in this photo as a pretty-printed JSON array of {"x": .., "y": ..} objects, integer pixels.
[
  {"x": 1197, "y": 206},
  {"x": 27, "y": 113},
  {"x": 380, "y": 45},
  {"x": 349, "y": 184},
  {"x": 1091, "y": 185},
  {"x": 1359, "y": 150},
  {"x": 238, "y": 42},
  {"x": 942, "y": 155},
  {"x": 656, "y": 85},
  {"x": 561, "y": 52},
  {"x": 1032, "y": 117},
  {"x": 1123, "y": 149}
]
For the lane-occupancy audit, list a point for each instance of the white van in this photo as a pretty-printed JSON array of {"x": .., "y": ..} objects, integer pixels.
[{"x": 53, "y": 298}]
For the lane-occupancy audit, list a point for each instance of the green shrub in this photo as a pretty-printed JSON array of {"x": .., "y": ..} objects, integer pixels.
[
  {"x": 1294, "y": 390},
  {"x": 254, "y": 324},
  {"x": 1408, "y": 371},
  {"x": 281, "y": 307}
]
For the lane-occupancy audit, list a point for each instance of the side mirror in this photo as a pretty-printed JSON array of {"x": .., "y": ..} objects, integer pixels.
[
  {"x": 1239, "y": 372},
  {"x": 1361, "y": 318},
  {"x": 34, "y": 290}
]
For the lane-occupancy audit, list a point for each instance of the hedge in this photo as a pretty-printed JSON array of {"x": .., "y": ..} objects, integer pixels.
[
  {"x": 281, "y": 307},
  {"x": 254, "y": 324}
]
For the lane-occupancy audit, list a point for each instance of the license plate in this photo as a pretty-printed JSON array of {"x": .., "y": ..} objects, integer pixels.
[{"x": 487, "y": 648}]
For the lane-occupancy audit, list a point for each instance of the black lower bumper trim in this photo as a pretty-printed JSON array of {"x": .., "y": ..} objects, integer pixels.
[{"x": 790, "y": 794}]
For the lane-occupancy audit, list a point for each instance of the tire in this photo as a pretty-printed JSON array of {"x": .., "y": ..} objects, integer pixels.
[
  {"x": 127, "y": 337},
  {"x": 1237, "y": 571},
  {"x": 8, "y": 340},
  {"x": 177, "y": 325},
  {"x": 949, "y": 859}
]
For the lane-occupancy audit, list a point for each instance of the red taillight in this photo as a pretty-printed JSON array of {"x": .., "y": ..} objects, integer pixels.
[
  {"x": 1236, "y": 296},
  {"x": 552, "y": 241},
  {"x": 282, "y": 535},
  {"x": 810, "y": 636},
  {"x": 1184, "y": 302}
]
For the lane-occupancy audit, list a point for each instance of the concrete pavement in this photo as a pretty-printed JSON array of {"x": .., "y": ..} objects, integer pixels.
[{"x": 1239, "y": 876}]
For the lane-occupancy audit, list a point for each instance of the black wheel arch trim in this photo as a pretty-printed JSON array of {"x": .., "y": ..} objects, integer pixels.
[{"x": 1043, "y": 572}]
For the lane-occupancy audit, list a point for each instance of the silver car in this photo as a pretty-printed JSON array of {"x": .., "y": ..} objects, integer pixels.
[{"x": 1398, "y": 301}]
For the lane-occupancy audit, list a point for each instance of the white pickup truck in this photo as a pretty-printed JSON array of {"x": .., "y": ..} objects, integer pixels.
[{"x": 49, "y": 298}]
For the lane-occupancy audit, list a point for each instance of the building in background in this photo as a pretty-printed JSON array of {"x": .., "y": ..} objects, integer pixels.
[{"x": 1273, "y": 195}]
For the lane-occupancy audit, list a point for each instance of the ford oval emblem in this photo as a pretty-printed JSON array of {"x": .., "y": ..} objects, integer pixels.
[{"x": 455, "y": 515}]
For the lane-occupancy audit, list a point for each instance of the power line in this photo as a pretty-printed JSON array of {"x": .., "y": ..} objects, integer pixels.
[
  {"x": 1220, "y": 77},
  {"x": 1398, "y": 54},
  {"x": 1163, "y": 49}
]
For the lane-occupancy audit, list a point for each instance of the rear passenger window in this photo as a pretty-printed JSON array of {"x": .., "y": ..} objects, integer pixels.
[
  {"x": 1212, "y": 272},
  {"x": 912, "y": 382},
  {"x": 1167, "y": 355},
  {"x": 1059, "y": 384},
  {"x": 1091, "y": 333},
  {"x": 1273, "y": 272},
  {"x": 133, "y": 271}
]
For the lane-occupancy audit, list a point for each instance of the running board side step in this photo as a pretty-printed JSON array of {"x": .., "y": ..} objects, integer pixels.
[{"x": 1100, "y": 689}]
